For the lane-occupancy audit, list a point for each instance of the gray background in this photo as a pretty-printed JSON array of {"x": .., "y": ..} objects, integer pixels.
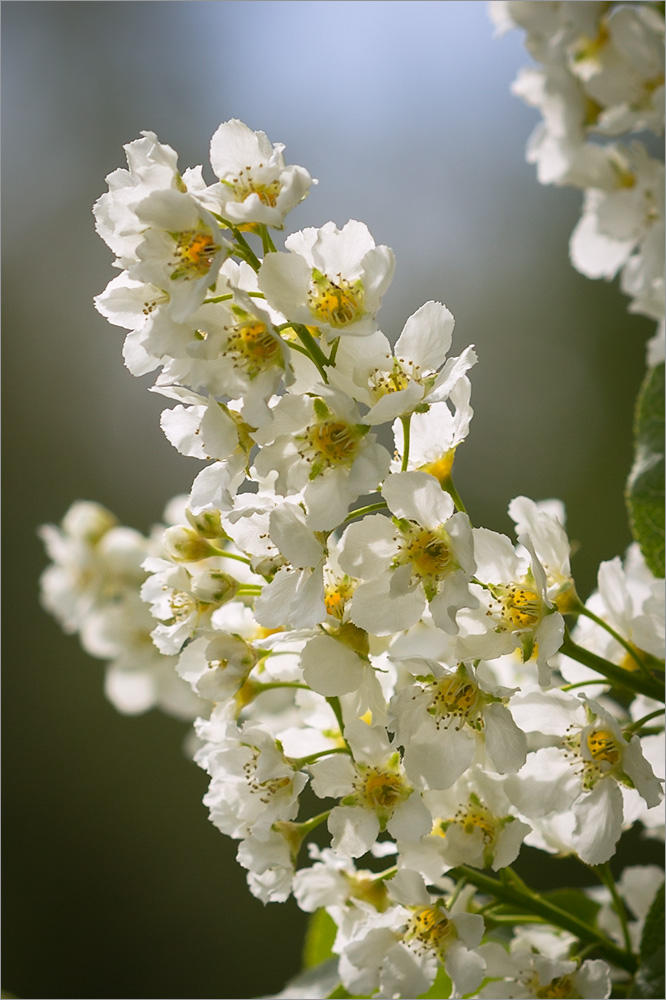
[{"x": 115, "y": 883}]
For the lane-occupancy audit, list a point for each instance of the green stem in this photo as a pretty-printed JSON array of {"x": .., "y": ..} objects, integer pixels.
[
  {"x": 579, "y": 684},
  {"x": 334, "y": 351},
  {"x": 631, "y": 680},
  {"x": 635, "y": 726},
  {"x": 230, "y": 295},
  {"x": 513, "y": 890},
  {"x": 266, "y": 241},
  {"x": 406, "y": 426},
  {"x": 453, "y": 493},
  {"x": 272, "y": 685},
  {"x": 299, "y": 762},
  {"x": 248, "y": 253},
  {"x": 334, "y": 702},
  {"x": 605, "y": 876},
  {"x": 230, "y": 555},
  {"x": 362, "y": 511},
  {"x": 249, "y": 590},
  {"x": 313, "y": 348},
  {"x": 618, "y": 638}
]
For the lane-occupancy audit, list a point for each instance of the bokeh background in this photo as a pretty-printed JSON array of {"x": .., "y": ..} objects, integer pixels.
[{"x": 115, "y": 884}]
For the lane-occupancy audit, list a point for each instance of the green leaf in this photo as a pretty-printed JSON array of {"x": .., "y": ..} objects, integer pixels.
[
  {"x": 645, "y": 486},
  {"x": 319, "y": 938},
  {"x": 576, "y": 902},
  {"x": 649, "y": 979}
]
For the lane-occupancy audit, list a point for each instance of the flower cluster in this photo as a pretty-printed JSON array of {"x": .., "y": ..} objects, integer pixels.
[
  {"x": 601, "y": 79},
  {"x": 324, "y": 606}
]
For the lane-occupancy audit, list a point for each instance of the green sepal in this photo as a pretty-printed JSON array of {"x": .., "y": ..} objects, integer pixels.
[
  {"x": 645, "y": 486},
  {"x": 649, "y": 979}
]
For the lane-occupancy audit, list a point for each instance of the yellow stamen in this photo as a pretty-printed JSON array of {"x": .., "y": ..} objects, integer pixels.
[
  {"x": 337, "y": 303},
  {"x": 195, "y": 252}
]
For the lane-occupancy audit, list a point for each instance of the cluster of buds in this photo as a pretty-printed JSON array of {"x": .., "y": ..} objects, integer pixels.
[{"x": 321, "y": 601}]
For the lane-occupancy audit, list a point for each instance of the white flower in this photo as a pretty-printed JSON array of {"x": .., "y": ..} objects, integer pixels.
[
  {"x": 395, "y": 384},
  {"x": 320, "y": 445},
  {"x": 422, "y": 555},
  {"x": 435, "y": 435},
  {"x": 252, "y": 784},
  {"x": 375, "y": 795},
  {"x": 398, "y": 952},
  {"x": 631, "y": 600},
  {"x": 332, "y": 279},
  {"x": 583, "y": 774},
  {"x": 449, "y": 719},
  {"x": 515, "y": 610},
  {"x": 526, "y": 973},
  {"x": 472, "y": 825},
  {"x": 255, "y": 186}
]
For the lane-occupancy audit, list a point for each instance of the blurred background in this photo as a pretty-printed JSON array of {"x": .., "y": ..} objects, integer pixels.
[{"x": 115, "y": 884}]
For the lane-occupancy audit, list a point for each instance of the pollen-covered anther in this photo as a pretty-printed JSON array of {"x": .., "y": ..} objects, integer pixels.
[
  {"x": 427, "y": 551},
  {"x": 336, "y": 596},
  {"x": 332, "y": 442},
  {"x": 429, "y": 929},
  {"x": 252, "y": 345},
  {"x": 182, "y": 605},
  {"x": 337, "y": 303},
  {"x": 603, "y": 747},
  {"x": 380, "y": 788},
  {"x": 194, "y": 254},
  {"x": 456, "y": 699},
  {"x": 244, "y": 185},
  {"x": 522, "y": 608}
]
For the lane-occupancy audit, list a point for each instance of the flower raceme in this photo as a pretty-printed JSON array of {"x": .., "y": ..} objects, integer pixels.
[{"x": 321, "y": 601}]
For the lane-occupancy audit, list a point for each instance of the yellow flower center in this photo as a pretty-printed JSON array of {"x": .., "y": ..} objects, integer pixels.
[
  {"x": 253, "y": 345},
  {"x": 430, "y": 928},
  {"x": 380, "y": 788},
  {"x": 332, "y": 442},
  {"x": 427, "y": 550},
  {"x": 336, "y": 595},
  {"x": 337, "y": 303},
  {"x": 243, "y": 186},
  {"x": 456, "y": 697},
  {"x": 602, "y": 746},
  {"x": 521, "y": 607},
  {"x": 195, "y": 252}
]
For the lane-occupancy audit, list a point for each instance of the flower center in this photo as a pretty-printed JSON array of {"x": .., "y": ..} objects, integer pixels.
[
  {"x": 604, "y": 754},
  {"x": 331, "y": 442},
  {"x": 243, "y": 186},
  {"x": 456, "y": 697},
  {"x": 429, "y": 928},
  {"x": 383, "y": 383},
  {"x": 428, "y": 551},
  {"x": 195, "y": 252},
  {"x": 254, "y": 347},
  {"x": 182, "y": 605},
  {"x": 337, "y": 303},
  {"x": 602, "y": 746},
  {"x": 336, "y": 595},
  {"x": 521, "y": 607},
  {"x": 380, "y": 788}
]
